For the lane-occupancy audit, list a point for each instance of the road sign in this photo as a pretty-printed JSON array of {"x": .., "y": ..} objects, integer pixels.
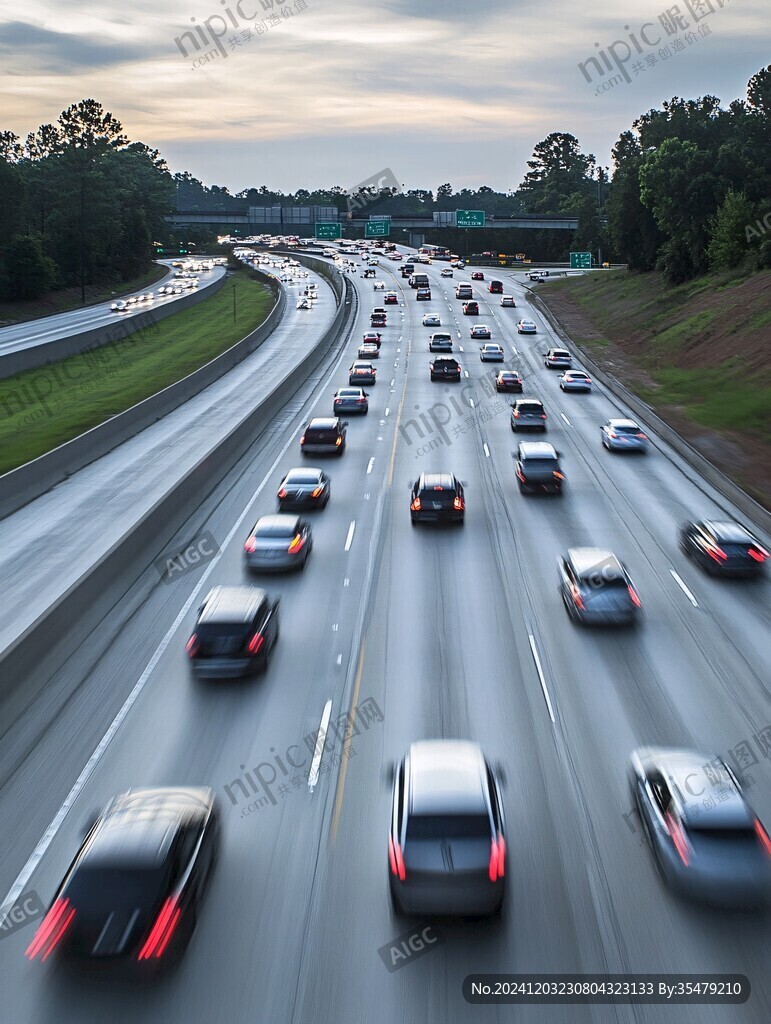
[
  {"x": 580, "y": 261},
  {"x": 520, "y": 255},
  {"x": 327, "y": 229},
  {"x": 470, "y": 218},
  {"x": 377, "y": 228}
]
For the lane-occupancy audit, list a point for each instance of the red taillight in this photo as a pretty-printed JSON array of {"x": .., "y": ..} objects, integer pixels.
[
  {"x": 396, "y": 860},
  {"x": 251, "y": 544},
  {"x": 415, "y": 505},
  {"x": 643, "y": 437},
  {"x": 759, "y": 554},
  {"x": 302, "y": 439},
  {"x": 677, "y": 835},
  {"x": 715, "y": 552},
  {"x": 762, "y": 835},
  {"x": 282, "y": 492},
  {"x": 575, "y": 593},
  {"x": 192, "y": 646},
  {"x": 338, "y": 442},
  {"x": 635, "y": 598},
  {"x": 51, "y": 930},
  {"x": 515, "y": 415},
  {"x": 297, "y": 542},
  {"x": 360, "y": 401},
  {"x": 316, "y": 492},
  {"x": 458, "y": 504},
  {"x": 543, "y": 415},
  {"x": 497, "y": 864},
  {"x": 162, "y": 930},
  {"x": 612, "y": 433},
  {"x": 256, "y": 643},
  {"x": 557, "y": 475}
]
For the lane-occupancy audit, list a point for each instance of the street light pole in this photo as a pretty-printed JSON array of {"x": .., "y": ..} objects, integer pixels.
[{"x": 234, "y": 302}]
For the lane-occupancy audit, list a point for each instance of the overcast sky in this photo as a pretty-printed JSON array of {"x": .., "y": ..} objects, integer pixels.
[{"x": 336, "y": 90}]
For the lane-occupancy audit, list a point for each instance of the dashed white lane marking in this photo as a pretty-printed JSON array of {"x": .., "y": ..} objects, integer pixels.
[
  {"x": 460, "y": 348},
  {"x": 370, "y": 464},
  {"x": 349, "y": 538},
  {"x": 471, "y": 403},
  {"x": 392, "y": 382},
  {"x": 339, "y": 659},
  {"x": 539, "y": 670},
  {"x": 346, "y": 582},
  {"x": 684, "y": 588},
  {"x": 387, "y": 411},
  {"x": 313, "y": 774},
  {"x": 562, "y": 414},
  {"x": 466, "y": 372},
  {"x": 487, "y": 450}
]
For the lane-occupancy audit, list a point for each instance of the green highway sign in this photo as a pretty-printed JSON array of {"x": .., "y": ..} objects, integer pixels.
[
  {"x": 470, "y": 218},
  {"x": 379, "y": 227},
  {"x": 580, "y": 261},
  {"x": 327, "y": 229}
]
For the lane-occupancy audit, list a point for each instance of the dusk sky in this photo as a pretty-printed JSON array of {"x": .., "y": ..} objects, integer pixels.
[{"x": 338, "y": 89}]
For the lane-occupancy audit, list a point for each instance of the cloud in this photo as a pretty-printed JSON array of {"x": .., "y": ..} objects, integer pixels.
[{"x": 60, "y": 52}]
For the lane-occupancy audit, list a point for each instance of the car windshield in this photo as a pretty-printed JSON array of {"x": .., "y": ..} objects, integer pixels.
[{"x": 448, "y": 826}]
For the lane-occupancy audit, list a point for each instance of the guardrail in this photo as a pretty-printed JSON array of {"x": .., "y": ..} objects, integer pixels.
[
  {"x": 755, "y": 512},
  {"x": 27, "y": 664},
  {"x": 95, "y": 337}
]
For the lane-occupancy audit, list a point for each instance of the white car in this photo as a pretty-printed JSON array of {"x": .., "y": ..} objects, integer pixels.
[
  {"x": 446, "y": 272},
  {"x": 507, "y": 300},
  {"x": 304, "y": 304},
  {"x": 526, "y": 327},
  {"x": 369, "y": 351},
  {"x": 431, "y": 320},
  {"x": 480, "y": 331},
  {"x": 491, "y": 353},
  {"x": 575, "y": 380},
  {"x": 119, "y": 307},
  {"x": 379, "y": 286}
]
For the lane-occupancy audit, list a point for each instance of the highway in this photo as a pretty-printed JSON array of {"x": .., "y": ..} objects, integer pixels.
[{"x": 454, "y": 632}]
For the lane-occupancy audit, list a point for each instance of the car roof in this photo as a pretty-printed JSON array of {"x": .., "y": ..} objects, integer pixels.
[
  {"x": 447, "y": 776},
  {"x": 680, "y": 765},
  {"x": 630, "y": 424},
  {"x": 280, "y": 519},
  {"x": 509, "y": 373},
  {"x": 529, "y": 401},
  {"x": 445, "y": 480},
  {"x": 303, "y": 471},
  {"x": 324, "y": 422},
  {"x": 139, "y": 825},
  {"x": 575, "y": 373},
  {"x": 586, "y": 561},
  {"x": 537, "y": 450},
  {"x": 728, "y": 531},
  {"x": 231, "y": 603}
]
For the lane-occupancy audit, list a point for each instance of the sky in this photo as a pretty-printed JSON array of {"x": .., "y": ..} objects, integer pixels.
[{"x": 331, "y": 92}]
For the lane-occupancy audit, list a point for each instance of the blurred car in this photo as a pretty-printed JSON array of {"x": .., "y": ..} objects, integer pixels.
[
  {"x": 471, "y": 308},
  {"x": 623, "y": 436},
  {"x": 723, "y": 548},
  {"x": 538, "y": 468},
  {"x": 596, "y": 588},
  {"x": 324, "y": 436},
  {"x": 431, "y": 320},
  {"x": 304, "y": 304},
  {"x": 119, "y": 307},
  {"x": 526, "y": 327},
  {"x": 480, "y": 331},
  {"x": 372, "y": 338},
  {"x": 379, "y": 286},
  {"x": 277, "y": 543},
  {"x": 361, "y": 372},
  {"x": 136, "y": 883},
  {"x": 508, "y": 300},
  {"x": 463, "y": 291},
  {"x": 440, "y": 342},
  {"x": 368, "y": 351},
  {"x": 446, "y": 272},
  {"x": 496, "y": 287},
  {"x": 558, "y": 359},
  {"x": 708, "y": 842},
  {"x": 447, "y": 845},
  {"x": 234, "y": 634},
  {"x": 303, "y": 489},
  {"x": 378, "y": 320},
  {"x": 423, "y": 295},
  {"x": 575, "y": 380},
  {"x": 528, "y": 414},
  {"x": 445, "y": 368},
  {"x": 350, "y": 400},
  {"x": 508, "y": 380},
  {"x": 437, "y": 498},
  {"x": 391, "y": 299},
  {"x": 477, "y": 275},
  {"x": 491, "y": 353}
]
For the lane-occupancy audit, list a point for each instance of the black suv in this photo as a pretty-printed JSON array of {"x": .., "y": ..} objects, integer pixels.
[
  {"x": 723, "y": 548},
  {"x": 445, "y": 368},
  {"x": 234, "y": 635},
  {"x": 437, "y": 498},
  {"x": 324, "y": 436},
  {"x": 528, "y": 414},
  {"x": 538, "y": 468}
]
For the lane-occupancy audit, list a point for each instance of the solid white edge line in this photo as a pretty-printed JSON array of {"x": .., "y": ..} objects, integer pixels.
[
  {"x": 684, "y": 588},
  {"x": 313, "y": 774},
  {"x": 539, "y": 670},
  {"x": 349, "y": 538}
]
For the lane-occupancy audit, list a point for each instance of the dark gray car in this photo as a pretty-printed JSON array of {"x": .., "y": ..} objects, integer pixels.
[
  {"x": 234, "y": 635},
  {"x": 596, "y": 588},
  {"x": 528, "y": 414},
  {"x": 278, "y": 543}
]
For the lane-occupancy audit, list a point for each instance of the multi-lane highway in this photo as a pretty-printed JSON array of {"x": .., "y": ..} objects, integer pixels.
[{"x": 455, "y": 632}]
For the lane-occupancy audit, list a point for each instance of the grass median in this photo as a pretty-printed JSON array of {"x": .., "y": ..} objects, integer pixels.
[{"x": 43, "y": 408}]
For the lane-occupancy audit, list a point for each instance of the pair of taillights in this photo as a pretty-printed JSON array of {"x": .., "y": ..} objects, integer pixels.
[
  {"x": 193, "y": 646},
  {"x": 757, "y": 553},
  {"x": 575, "y": 593},
  {"x": 684, "y": 849},
  {"x": 295, "y": 544},
  {"x": 516, "y": 414},
  {"x": 55, "y": 924},
  {"x": 314, "y": 493},
  {"x": 613, "y": 434},
  {"x": 496, "y": 867}
]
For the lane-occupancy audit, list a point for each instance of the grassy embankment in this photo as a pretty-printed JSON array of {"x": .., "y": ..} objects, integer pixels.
[{"x": 43, "y": 408}]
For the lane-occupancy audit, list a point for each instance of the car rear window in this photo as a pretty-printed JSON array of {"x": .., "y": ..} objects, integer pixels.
[
  {"x": 117, "y": 888},
  {"x": 530, "y": 408},
  {"x": 206, "y": 631},
  {"x": 540, "y": 464},
  {"x": 302, "y": 478},
  {"x": 320, "y": 434},
  {"x": 275, "y": 530},
  {"x": 448, "y": 826},
  {"x": 625, "y": 429}
]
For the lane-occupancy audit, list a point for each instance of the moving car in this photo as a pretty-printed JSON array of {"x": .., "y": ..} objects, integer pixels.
[
  {"x": 391, "y": 299},
  {"x": 445, "y": 368},
  {"x": 477, "y": 275},
  {"x": 423, "y": 295},
  {"x": 277, "y": 543},
  {"x": 471, "y": 308},
  {"x": 361, "y": 372},
  {"x": 480, "y": 331},
  {"x": 419, "y": 281},
  {"x": 528, "y": 414},
  {"x": 440, "y": 343},
  {"x": 491, "y": 353},
  {"x": 304, "y": 304},
  {"x": 350, "y": 400},
  {"x": 371, "y": 338},
  {"x": 723, "y": 548},
  {"x": 463, "y": 291},
  {"x": 508, "y": 300},
  {"x": 324, "y": 436},
  {"x": 136, "y": 883},
  {"x": 508, "y": 380},
  {"x": 369, "y": 351},
  {"x": 446, "y": 845},
  {"x": 623, "y": 435},
  {"x": 596, "y": 588},
  {"x": 446, "y": 272},
  {"x": 120, "y": 306},
  {"x": 575, "y": 380},
  {"x": 538, "y": 274},
  {"x": 431, "y": 320},
  {"x": 437, "y": 497},
  {"x": 558, "y": 359},
  {"x": 496, "y": 287},
  {"x": 379, "y": 286},
  {"x": 538, "y": 468},
  {"x": 234, "y": 634},
  {"x": 526, "y": 327},
  {"x": 303, "y": 489},
  {"x": 378, "y": 320},
  {"x": 708, "y": 842}
]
